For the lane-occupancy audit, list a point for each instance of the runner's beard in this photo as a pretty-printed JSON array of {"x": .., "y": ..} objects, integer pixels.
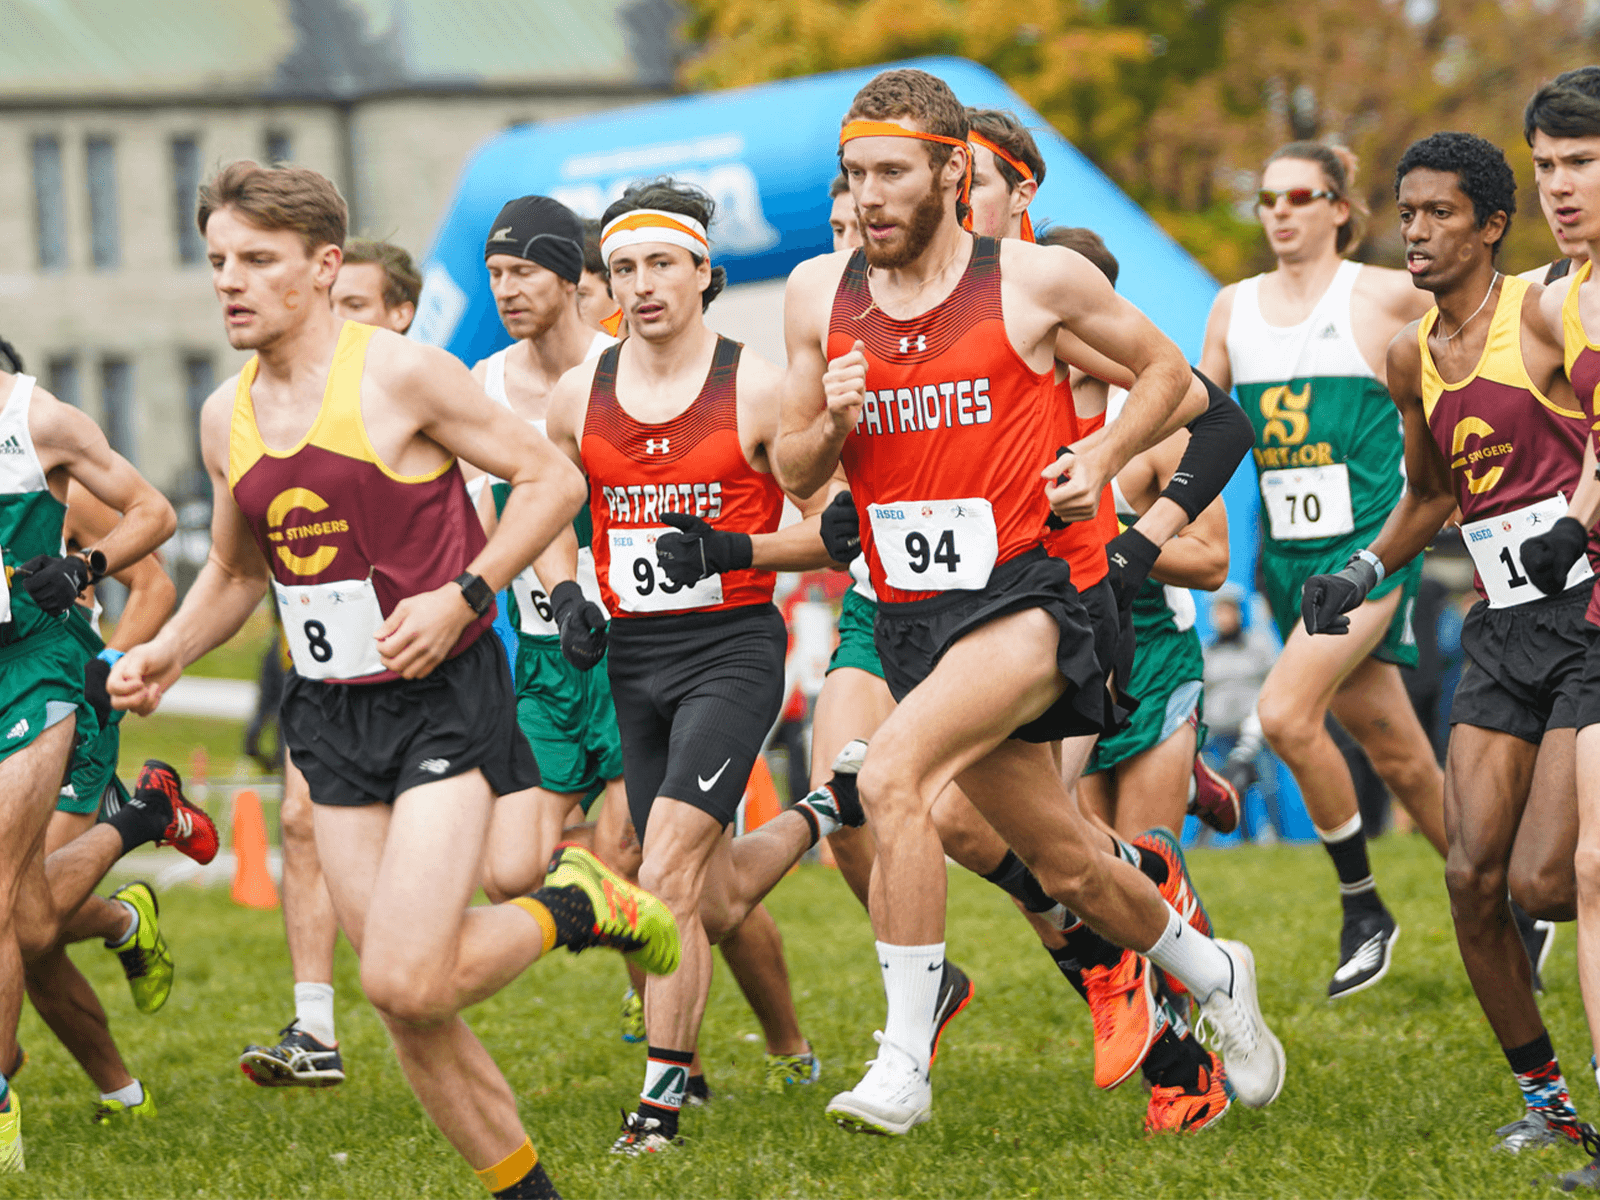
[{"x": 916, "y": 234}]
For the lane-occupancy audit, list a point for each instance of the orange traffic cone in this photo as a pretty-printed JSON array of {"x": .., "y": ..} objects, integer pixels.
[
  {"x": 252, "y": 878},
  {"x": 760, "y": 796}
]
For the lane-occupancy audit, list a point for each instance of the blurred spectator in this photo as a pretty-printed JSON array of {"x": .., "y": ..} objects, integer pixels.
[{"x": 1238, "y": 659}]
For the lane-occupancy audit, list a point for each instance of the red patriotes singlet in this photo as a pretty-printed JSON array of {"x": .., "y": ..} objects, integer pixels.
[
  {"x": 691, "y": 464},
  {"x": 1083, "y": 543},
  {"x": 944, "y": 464},
  {"x": 347, "y": 538},
  {"x": 1515, "y": 457},
  {"x": 1583, "y": 369}
]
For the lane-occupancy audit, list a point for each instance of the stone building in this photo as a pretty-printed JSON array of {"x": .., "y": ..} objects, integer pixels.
[{"x": 112, "y": 113}]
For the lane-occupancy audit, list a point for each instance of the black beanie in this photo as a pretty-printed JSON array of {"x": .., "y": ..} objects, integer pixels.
[{"x": 541, "y": 230}]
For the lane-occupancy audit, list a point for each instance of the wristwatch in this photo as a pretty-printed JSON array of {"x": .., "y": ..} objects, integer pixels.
[{"x": 478, "y": 594}]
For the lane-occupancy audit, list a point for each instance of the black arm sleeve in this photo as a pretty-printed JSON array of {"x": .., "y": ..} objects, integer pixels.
[{"x": 1219, "y": 438}]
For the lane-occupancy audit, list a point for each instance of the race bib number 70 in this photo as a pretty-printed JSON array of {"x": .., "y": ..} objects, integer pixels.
[
  {"x": 330, "y": 628},
  {"x": 1308, "y": 502},
  {"x": 935, "y": 545}
]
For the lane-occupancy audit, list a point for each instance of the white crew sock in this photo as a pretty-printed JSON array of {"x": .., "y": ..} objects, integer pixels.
[
  {"x": 911, "y": 979},
  {"x": 133, "y": 926},
  {"x": 313, "y": 1010},
  {"x": 130, "y": 1096},
  {"x": 1202, "y": 965}
]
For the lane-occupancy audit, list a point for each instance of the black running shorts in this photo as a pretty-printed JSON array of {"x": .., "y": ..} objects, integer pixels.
[
  {"x": 365, "y": 743},
  {"x": 1589, "y": 689},
  {"x": 1095, "y": 642},
  {"x": 696, "y": 695},
  {"x": 1524, "y": 668}
]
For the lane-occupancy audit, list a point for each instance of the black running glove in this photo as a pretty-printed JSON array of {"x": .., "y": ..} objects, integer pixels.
[
  {"x": 54, "y": 583},
  {"x": 1130, "y": 556},
  {"x": 95, "y": 676},
  {"x": 1053, "y": 521},
  {"x": 841, "y": 529},
  {"x": 582, "y": 624},
  {"x": 699, "y": 551},
  {"x": 1328, "y": 597},
  {"x": 1548, "y": 558}
]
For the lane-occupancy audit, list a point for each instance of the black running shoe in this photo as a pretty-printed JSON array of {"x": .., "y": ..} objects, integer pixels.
[
  {"x": 1365, "y": 944},
  {"x": 1537, "y": 938},
  {"x": 298, "y": 1060},
  {"x": 955, "y": 993}
]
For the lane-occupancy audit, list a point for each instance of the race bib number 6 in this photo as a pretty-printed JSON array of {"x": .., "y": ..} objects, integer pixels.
[
  {"x": 935, "y": 545},
  {"x": 641, "y": 586},
  {"x": 1495, "y": 544},
  {"x": 330, "y": 628},
  {"x": 1308, "y": 502}
]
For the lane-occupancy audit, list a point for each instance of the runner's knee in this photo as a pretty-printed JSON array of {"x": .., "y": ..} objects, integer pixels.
[
  {"x": 1477, "y": 887},
  {"x": 1547, "y": 891},
  {"x": 1289, "y": 727},
  {"x": 1586, "y": 866},
  {"x": 407, "y": 996}
]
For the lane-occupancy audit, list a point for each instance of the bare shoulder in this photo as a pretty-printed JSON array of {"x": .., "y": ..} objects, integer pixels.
[
  {"x": 819, "y": 275},
  {"x": 758, "y": 375},
  {"x": 397, "y": 362},
  {"x": 1393, "y": 291},
  {"x": 55, "y": 426},
  {"x": 1404, "y": 358},
  {"x": 570, "y": 396},
  {"x": 1222, "y": 306},
  {"x": 1046, "y": 268}
]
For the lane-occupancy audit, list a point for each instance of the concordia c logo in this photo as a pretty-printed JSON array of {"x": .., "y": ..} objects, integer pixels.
[
  {"x": 1464, "y": 460},
  {"x": 286, "y": 502}
]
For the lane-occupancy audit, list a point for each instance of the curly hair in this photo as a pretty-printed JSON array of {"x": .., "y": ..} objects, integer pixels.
[
  {"x": 1480, "y": 169},
  {"x": 671, "y": 196}
]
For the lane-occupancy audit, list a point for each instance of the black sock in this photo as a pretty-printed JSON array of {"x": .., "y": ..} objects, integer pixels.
[
  {"x": 698, "y": 1089},
  {"x": 1174, "y": 1061},
  {"x": 535, "y": 1185},
  {"x": 1153, "y": 866},
  {"x": 144, "y": 818},
  {"x": 667, "y": 1116},
  {"x": 1347, "y": 846},
  {"x": 1013, "y": 877},
  {"x": 1090, "y": 949},
  {"x": 1068, "y": 966},
  {"x": 571, "y": 911}
]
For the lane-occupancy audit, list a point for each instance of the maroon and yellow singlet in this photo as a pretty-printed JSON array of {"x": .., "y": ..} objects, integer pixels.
[
  {"x": 695, "y": 464},
  {"x": 346, "y": 538}
]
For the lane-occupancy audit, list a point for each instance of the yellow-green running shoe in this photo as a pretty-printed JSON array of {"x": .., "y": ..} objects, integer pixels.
[
  {"x": 786, "y": 1069},
  {"x": 11, "y": 1135},
  {"x": 621, "y": 915},
  {"x": 144, "y": 957},
  {"x": 632, "y": 1016},
  {"x": 109, "y": 1112}
]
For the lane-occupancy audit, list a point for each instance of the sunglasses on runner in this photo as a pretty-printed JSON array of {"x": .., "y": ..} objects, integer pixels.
[{"x": 1297, "y": 197}]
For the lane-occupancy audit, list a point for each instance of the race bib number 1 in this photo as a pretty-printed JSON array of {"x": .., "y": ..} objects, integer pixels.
[
  {"x": 1308, "y": 502},
  {"x": 1495, "y": 544},
  {"x": 330, "y": 628},
  {"x": 641, "y": 586},
  {"x": 935, "y": 545}
]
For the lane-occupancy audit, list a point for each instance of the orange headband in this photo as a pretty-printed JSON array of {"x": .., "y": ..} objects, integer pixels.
[
  {"x": 1017, "y": 165},
  {"x": 861, "y": 129}
]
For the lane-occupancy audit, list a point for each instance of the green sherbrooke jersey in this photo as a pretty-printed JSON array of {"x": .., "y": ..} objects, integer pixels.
[
  {"x": 30, "y": 525},
  {"x": 582, "y": 525},
  {"x": 1157, "y": 632}
]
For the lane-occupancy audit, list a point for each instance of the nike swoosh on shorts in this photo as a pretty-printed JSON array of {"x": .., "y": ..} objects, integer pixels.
[{"x": 707, "y": 784}]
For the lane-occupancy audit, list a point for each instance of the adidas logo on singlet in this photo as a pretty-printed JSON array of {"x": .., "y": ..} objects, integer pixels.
[
  {"x": 1328, "y": 332},
  {"x": 12, "y": 446}
]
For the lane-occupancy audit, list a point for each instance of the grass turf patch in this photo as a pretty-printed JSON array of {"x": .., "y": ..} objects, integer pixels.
[{"x": 1394, "y": 1092}]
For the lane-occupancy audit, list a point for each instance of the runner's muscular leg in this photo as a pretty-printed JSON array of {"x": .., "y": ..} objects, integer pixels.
[
  {"x": 1487, "y": 776},
  {"x": 679, "y": 843},
  {"x": 753, "y": 951},
  {"x": 1542, "y": 874},
  {"x": 1587, "y": 866},
  {"x": 1152, "y": 787},
  {"x": 94, "y": 916},
  {"x": 309, "y": 925},
  {"x": 851, "y": 704},
  {"x": 1097, "y": 796},
  {"x": 523, "y": 833},
  {"x": 1374, "y": 708},
  {"x": 1294, "y": 701}
]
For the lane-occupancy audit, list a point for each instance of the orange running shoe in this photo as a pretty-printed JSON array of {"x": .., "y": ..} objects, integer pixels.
[
  {"x": 1178, "y": 890},
  {"x": 1127, "y": 1019},
  {"x": 190, "y": 830},
  {"x": 1178, "y": 1109}
]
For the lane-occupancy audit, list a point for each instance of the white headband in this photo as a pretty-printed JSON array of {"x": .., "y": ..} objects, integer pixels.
[{"x": 654, "y": 225}]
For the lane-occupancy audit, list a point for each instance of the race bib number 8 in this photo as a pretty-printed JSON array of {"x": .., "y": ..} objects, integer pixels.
[
  {"x": 641, "y": 586},
  {"x": 935, "y": 545},
  {"x": 1308, "y": 502},
  {"x": 1495, "y": 544},
  {"x": 330, "y": 628}
]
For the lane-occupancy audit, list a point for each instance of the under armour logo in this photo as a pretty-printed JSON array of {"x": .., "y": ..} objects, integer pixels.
[
  {"x": 654, "y": 446},
  {"x": 920, "y": 340},
  {"x": 503, "y": 234}
]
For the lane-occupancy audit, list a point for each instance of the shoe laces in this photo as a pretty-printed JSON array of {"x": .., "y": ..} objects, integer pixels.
[
  {"x": 908, "y": 1061},
  {"x": 1223, "y": 1026}
]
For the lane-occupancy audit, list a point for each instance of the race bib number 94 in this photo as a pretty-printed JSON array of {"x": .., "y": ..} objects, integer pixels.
[
  {"x": 1308, "y": 502},
  {"x": 641, "y": 586},
  {"x": 330, "y": 628},
  {"x": 1495, "y": 544},
  {"x": 935, "y": 545}
]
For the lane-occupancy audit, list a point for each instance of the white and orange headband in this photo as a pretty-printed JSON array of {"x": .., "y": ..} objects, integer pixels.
[{"x": 654, "y": 225}]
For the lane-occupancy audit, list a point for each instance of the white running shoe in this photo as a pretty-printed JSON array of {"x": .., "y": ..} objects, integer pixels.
[
  {"x": 894, "y": 1097},
  {"x": 1251, "y": 1054},
  {"x": 848, "y": 761}
]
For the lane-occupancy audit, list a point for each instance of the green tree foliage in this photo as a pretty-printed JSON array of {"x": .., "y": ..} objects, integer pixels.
[{"x": 1179, "y": 101}]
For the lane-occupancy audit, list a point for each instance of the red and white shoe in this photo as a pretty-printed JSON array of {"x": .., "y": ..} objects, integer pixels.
[
  {"x": 1215, "y": 801},
  {"x": 190, "y": 830}
]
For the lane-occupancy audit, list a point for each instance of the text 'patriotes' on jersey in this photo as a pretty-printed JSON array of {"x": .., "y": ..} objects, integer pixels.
[{"x": 926, "y": 407}]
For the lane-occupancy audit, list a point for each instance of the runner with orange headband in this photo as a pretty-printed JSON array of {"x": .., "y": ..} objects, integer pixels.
[{"x": 907, "y": 367}]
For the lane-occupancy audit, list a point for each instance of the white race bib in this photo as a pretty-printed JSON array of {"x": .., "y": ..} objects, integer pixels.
[
  {"x": 641, "y": 586},
  {"x": 330, "y": 628},
  {"x": 1495, "y": 544},
  {"x": 534, "y": 614},
  {"x": 5, "y": 594},
  {"x": 1308, "y": 502},
  {"x": 935, "y": 545}
]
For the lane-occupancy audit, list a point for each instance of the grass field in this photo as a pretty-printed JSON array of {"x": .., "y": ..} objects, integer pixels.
[{"x": 1395, "y": 1092}]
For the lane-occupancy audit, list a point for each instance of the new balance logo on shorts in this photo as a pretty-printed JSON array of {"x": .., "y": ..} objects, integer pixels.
[
  {"x": 11, "y": 446},
  {"x": 17, "y": 730},
  {"x": 434, "y": 766}
]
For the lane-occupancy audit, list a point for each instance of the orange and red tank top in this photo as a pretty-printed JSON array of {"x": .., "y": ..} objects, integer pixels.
[
  {"x": 1515, "y": 455},
  {"x": 944, "y": 464},
  {"x": 346, "y": 537},
  {"x": 694, "y": 464}
]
